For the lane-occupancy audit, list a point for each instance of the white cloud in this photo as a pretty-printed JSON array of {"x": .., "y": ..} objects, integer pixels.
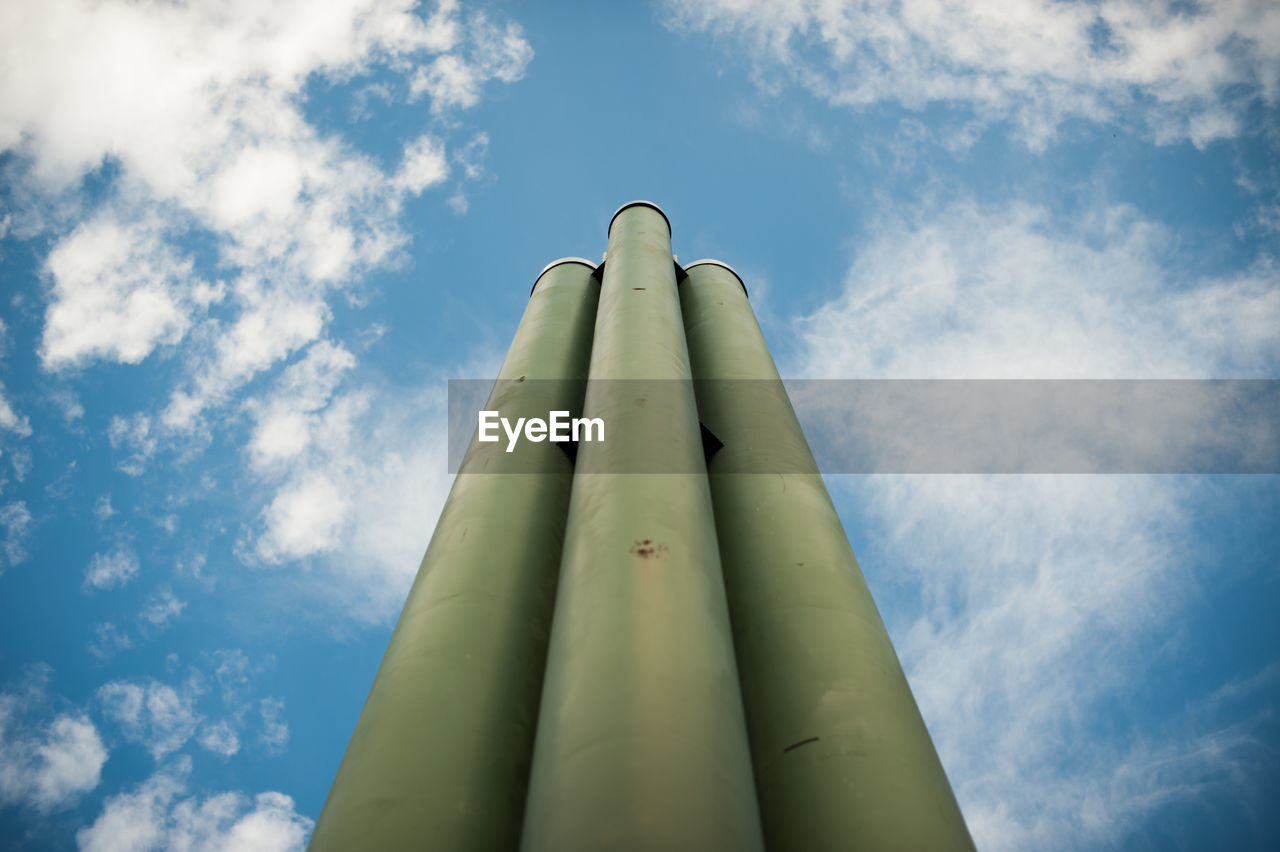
[
  {"x": 20, "y": 462},
  {"x": 193, "y": 567},
  {"x": 50, "y": 764},
  {"x": 275, "y": 321},
  {"x": 275, "y": 731},
  {"x": 159, "y": 613},
  {"x": 336, "y": 464},
  {"x": 1033, "y": 601},
  {"x": 450, "y": 81},
  {"x": 161, "y": 610},
  {"x": 135, "y": 821},
  {"x": 160, "y": 815},
  {"x": 424, "y": 165},
  {"x": 197, "y": 112},
  {"x": 220, "y": 738},
  {"x": 71, "y": 408},
  {"x": 458, "y": 203},
  {"x": 231, "y": 668},
  {"x": 70, "y": 759},
  {"x": 165, "y": 718},
  {"x": 1009, "y": 292},
  {"x": 154, "y": 714},
  {"x": 470, "y": 157},
  {"x": 1188, "y": 71},
  {"x": 61, "y": 762},
  {"x": 1036, "y": 596},
  {"x": 111, "y": 570},
  {"x": 137, "y": 435},
  {"x": 285, "y": 422},
  {"x": 307, "y": 516},
  {"x": 118, "y": 292},
  {"x": 108, "y": 640},
  {"x": 11, "y": 420},
  {"x": 167, "y": 90},
  {"x": 102, "y": 509},
  {"x": 16, "y": 521}
]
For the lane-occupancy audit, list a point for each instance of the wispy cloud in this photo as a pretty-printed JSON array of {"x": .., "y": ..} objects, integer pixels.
[
  {"x": 111, "y": 570},
  {"x": 1027, "y": 606},
  {"x": 1186, "y": 71},
  {"x": 355, "y": 472},
  {"x": 275, "y": 731},
  {"x": 10, "y": 420},
  {"x": 109, "y": 640},
  {"x": 137, "y": 438},
  {"x": 151, "y": 713},
  {"x": 975, "y": 291},
  {"x": 160, "y": 612},
  {"x": 220, "y": 738},
  {"x": 210, "y": 706},
  {"x": 335, "y": 463},
  {"x": 16, "y": 521},
  {"x": 1036, "y": 604}
]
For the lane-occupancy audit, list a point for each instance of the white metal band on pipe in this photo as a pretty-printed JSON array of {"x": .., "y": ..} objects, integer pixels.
[
  {"x": 706, "y": 261},
  {"x": 556, "y": 263},
  {"x": 640, "y": 203}
]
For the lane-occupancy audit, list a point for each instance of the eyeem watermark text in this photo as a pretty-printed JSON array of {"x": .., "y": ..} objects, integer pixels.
[{"x": 558, "y": 428}]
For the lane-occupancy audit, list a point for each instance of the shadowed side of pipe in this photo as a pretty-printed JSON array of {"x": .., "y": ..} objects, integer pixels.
[
  {"x": 841, "y": 754},
  {"x": 440, "y": 755},
  {"x": 641, "y": 739}
]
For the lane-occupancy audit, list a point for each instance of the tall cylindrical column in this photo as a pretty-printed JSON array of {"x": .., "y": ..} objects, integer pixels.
[
  {"x": 842, "y": 758},
  {"x": 440, "y": 755},
  {"x": 641, "y": 741}
]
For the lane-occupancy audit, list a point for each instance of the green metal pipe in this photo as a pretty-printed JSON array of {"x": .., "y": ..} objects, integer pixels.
[
  {"x": 440, "y": 755},
  {"x": 841, "y": 754},
  {"x": 641, "y": 740}
]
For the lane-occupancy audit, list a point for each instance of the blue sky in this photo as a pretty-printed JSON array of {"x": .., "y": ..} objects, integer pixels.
[{"x": 244, "y": 246}]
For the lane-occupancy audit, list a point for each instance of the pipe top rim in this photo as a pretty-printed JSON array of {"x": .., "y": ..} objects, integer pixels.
[
  {"x": 639, "y": 203},
  {"x": 559, "y": 262},
  {"x": 708, "y": 261}
]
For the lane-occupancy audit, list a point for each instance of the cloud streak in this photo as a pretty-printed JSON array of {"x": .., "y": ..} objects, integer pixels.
[{"x": 1186, "y": 71}]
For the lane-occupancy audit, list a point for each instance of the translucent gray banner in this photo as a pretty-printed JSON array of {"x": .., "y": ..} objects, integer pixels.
[{"x": 1176, "y": 426}]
